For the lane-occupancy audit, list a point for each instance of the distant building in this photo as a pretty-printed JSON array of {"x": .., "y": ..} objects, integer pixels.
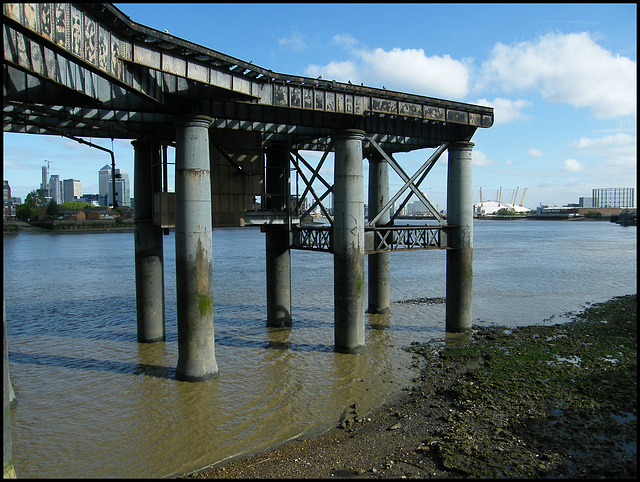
[
  {"x": 90, "y": 199},
  {"x": 8, "y": 207},
  {"x": 55, "y": 188},
  {"x": 419, "y": 208},
  {"x": 71, "y": 190},
  {"x": 613, "y": 197},
  {"x": 105, "y": 187},
  {"x": 490, "y": 208},
  {"x": 585, "y": 202},
  {"x": 123, "y": 192},
  {"x": 104, "y": 176},
  {"x": 44, "y": 186},
  {"x": 100, "y": 213},
  {"x": 6, "y": 193}
]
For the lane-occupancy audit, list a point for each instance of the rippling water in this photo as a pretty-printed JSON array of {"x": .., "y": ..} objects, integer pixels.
[{"x": 92, "y": 402}]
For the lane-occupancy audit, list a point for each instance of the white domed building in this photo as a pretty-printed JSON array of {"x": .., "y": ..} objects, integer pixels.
[{"x": 490, "y": 208}]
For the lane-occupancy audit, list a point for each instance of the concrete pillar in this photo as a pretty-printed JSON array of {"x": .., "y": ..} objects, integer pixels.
[
  {"x": 194, "y": 251},
  {"x": 149, "y": 259},
  {"x": 8, "y": 397},
  {"x": 348, "y": 242},
  {"x": 277, "y": 239},
  {"x": 379, "y": 284},
  {"x": 459, "y": 238}
]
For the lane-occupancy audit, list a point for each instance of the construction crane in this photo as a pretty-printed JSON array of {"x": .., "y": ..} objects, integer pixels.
[{"x": 522, "y": 199}]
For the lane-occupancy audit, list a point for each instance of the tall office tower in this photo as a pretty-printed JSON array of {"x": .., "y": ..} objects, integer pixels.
[
  {"x": 43, "y": 185},
  {"x": 55, "y": 188},
  {"x": 123, "y": 190},
  {"x": 104, "y": 180},
  {"x": 105, "y": 190},
  {"x": 71, "y": 190}
]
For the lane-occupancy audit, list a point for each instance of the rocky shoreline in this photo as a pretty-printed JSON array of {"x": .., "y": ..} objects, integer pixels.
[{"x": 535, "y": 402}]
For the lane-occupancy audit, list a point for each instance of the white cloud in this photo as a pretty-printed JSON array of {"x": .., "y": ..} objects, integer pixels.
[
  {"x": 505, "y": 110},
  {"x": 340, "y": 71},
  {"x": 479, "y": 158},
  {"x": 535, "y": 153},
  {"x": 295, "y": 42},
  {"x": 409, "y": 70},
  {"x": 617, "y": 151},
  {"x": 606, "y": 141},
  {"x": 571, "y": 165},
  {"x": 413, "y": 71},
  {"x": 345, "y": 40},
  {"x": 569, "y": 68}
]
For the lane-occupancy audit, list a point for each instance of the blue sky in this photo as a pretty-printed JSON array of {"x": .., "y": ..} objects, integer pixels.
[{"x": 561, "y": 78}]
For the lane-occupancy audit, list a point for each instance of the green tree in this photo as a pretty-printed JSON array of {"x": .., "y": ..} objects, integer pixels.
[
  {"x": 35, "y": 198},
  {"x": 52, "y": 209},
  {"x": 75, "y": 205},
  {"x": 25, "y": 212},
  {"x": 29, "y": 209}
]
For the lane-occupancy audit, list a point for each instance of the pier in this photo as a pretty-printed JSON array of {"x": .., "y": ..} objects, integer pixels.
[{"x": 239, "y": 130}]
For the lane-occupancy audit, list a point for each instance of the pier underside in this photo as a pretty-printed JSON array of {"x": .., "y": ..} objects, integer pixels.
[{"x": 240, "y": 132}]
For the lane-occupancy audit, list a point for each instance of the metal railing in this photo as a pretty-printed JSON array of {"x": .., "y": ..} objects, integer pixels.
[
  {"x": 314, "y": 238},
  {"x": 377, "y": 239},
  {"x": 404, "y": 238}
]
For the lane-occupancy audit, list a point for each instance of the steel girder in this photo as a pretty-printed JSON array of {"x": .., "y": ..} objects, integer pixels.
[{"x": 116, "y": 78}]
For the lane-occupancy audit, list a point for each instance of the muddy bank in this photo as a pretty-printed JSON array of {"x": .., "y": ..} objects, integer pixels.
[{"x": 539, "y": 401}]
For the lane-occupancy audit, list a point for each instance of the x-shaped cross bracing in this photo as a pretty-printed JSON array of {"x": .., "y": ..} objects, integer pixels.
[
  {"x": 295, "y": 158},
  {"x": 409, "y": 182}
]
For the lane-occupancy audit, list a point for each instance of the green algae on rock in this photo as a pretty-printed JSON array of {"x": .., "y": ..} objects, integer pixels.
[{"x": 551, "y": 401}]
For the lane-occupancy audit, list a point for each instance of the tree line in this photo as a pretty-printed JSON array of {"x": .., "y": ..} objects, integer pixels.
[{"x": 36, "y": 200}]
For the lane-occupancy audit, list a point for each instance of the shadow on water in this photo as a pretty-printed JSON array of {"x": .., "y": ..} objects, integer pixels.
[
  {"x": 230, "y": 340},
  {"x": 93, "y": 365}
]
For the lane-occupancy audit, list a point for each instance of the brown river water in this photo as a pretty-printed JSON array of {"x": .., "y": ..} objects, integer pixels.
[{"x": 92, "y": 402}]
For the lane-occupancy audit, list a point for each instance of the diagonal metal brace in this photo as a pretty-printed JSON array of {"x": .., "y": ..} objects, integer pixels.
[
  {"x": 318, "y": 200},
  {"x": 228, "y": 158},
  {"x": 409, "y": 182},
  {"x": 315, "y": 171}
]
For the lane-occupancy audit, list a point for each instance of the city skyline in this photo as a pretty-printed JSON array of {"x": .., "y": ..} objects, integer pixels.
[
  {"x": 64, "y": 190},
  {"x": 561, "y": 79}
]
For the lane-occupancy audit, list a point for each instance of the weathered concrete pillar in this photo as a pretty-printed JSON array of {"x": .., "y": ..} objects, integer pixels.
[
  {"x": 8, "y": 396},
  {"x": 149, "y": 259},
  {"x": 277, "y": 239},
  {"x": 379, "y": 284},
  {"x": 460, "y": 238},
  {"x": 348, "y": 242},
  {"x": 194, "y": 251}
]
